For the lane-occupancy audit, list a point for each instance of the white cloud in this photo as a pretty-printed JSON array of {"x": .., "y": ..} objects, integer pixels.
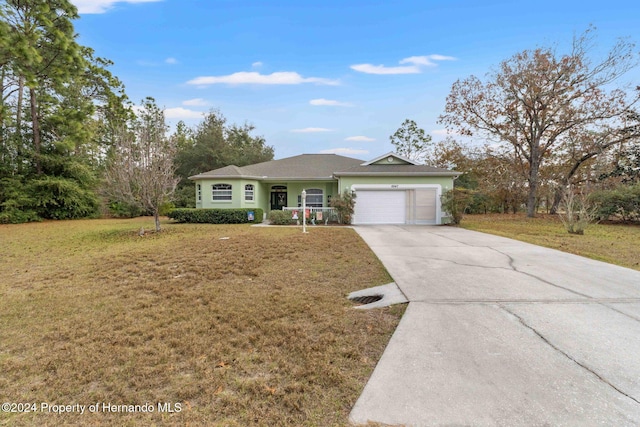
[
  {"x": 311, "y": 130},
  {"x": 419, "y": 60},
  {"x": 344, "y": 151},
  {"x": 102, "y": 6},
  {"x": 244, "y": 77},
  {"x": 329, "y": 102},
  {"x": 257, "y": 64},
  {"x": 442, "y": 58},
  {"x": 195, "y": 102},
  {"x": 182, "y": 113},
  {"x": 381, "y": 69},
  {"x": 171, "y": 61},
  {"x": 417, "y": 63},
  {"x": 359, "y": 138}
]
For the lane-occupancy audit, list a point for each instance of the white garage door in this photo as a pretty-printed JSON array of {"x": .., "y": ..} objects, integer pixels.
[
  {"x": 425, "y": 206},
  {"x": 380, "y": 207}
]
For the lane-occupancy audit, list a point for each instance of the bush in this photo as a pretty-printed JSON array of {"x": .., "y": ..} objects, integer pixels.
[
  {"x": 13, "y": 215},
  {"x": 216, "y": 216},
  {"x": 622, "y": 202},
  {"x": 124, "y": 210},
  {"x": 16, "y": 203},
  {"x": 185, "y": 196},
  {"x": 281, "y": 218},
  {"x": 62, "y": 198},
  {"x": 577, "y": 213},
  {"x": 344, "y": 205},
  {"x": 455, "y": 202}
]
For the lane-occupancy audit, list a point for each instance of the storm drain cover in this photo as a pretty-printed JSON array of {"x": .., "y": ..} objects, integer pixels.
[{"x": 367, "y": 299}]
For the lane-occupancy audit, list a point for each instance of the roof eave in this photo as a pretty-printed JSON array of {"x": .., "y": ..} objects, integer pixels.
[
  {"x": 197, "y": 177},
  {"x": 398, "y": 174},
  {"x": 262, "y": 178},
  {"x": 277, "y": 179}
]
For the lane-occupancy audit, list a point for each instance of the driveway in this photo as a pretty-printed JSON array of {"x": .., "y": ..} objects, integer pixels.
[{"x": 500, "y": 332}]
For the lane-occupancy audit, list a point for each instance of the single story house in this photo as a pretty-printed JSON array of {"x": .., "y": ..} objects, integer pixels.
[{"x": 390, "y": 189}]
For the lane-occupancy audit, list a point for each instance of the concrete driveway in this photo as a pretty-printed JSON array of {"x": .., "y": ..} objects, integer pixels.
[{"x": 500, "y": 332}]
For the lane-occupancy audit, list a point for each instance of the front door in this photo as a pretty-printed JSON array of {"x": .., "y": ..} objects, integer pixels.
[{"x": 278, "y": 197}]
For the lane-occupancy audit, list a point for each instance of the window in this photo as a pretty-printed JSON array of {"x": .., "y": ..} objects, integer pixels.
[
  {"x": 221, "y": 192},
  {"x": 314, "y": 198},
  {"x": 199, "y": 192},
  {"x": 248, "y": 192}
]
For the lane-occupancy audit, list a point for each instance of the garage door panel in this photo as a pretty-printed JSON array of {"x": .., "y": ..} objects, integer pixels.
[
  {"x": 380, "y": 207},
  {"x": 426, "y": 205}
]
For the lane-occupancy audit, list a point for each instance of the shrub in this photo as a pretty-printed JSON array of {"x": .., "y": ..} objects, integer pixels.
[
  {"x": 62, "y": 198},
  {"x": 281, "y": 218},
  {"x": 124, "y": 210},
  {"x": 577, "y": 212},
  {"x": 344, "y": 205},
  {"x": 11, "y": 215},
  {"x": 16, "y": 203},
  {"x": 185, "y": 196},
  {"x": 216, "y": 216},
  {"x": 455, "y": 202},
  {"x": 622, "y": 202}
]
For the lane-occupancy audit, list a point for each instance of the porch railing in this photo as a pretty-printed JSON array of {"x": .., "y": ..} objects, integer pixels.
[{"x": 326, "y": 214}]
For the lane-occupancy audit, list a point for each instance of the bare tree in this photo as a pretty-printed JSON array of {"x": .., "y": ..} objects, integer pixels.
[
  {"x": 577, "y": 212},
  {"x": 142, "y": 171},
  {"x": 538, "y": 101}
]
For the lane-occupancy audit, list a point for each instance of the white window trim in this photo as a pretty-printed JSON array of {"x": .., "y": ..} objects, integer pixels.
[
  {"x": 251, "y": 193},
  {"x": 199, "y": 190},
  {"x": 228, "y": 192},
  {"x": 318, "y": 193}
]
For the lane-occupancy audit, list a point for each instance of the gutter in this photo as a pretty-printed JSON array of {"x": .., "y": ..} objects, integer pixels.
[{"x": 454, "y": 174}]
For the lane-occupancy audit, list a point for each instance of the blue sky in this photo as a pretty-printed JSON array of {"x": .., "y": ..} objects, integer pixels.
[{"x": 329, "y": 76}]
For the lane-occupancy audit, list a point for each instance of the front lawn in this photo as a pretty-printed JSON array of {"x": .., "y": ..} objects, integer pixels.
[
  {"x": 613, "y": 243},
  {"x": 208, "y": 324}
]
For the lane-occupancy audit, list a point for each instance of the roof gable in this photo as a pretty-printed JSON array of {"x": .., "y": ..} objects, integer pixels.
[{"x": 390, "y": 158}]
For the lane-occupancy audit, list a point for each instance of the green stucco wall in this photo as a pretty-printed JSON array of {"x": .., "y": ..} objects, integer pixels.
[
  {"x": 237, "y": 194},
  {"x": 262, "y": 196}
]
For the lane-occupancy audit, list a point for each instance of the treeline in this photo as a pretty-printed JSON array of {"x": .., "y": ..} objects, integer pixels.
[
  {"x": 494, "y": 182},
  {"x": 64, "y": 117},
  {"x": 545, "y": 124}
]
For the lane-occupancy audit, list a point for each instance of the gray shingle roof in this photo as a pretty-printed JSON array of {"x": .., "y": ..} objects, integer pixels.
[
  {"x": 396, "y": 170},
  {"x": 320, "y": 167},
  {"x": 301, "y": 167}
]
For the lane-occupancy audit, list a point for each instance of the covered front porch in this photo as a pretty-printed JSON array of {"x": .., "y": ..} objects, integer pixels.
[{"x": 288, "y": 195}]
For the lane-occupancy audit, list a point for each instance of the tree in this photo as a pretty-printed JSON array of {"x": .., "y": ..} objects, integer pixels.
[
  {"x": 626, "y": 165},
  {"x": 44, "y": 55},
  {"x": 142, "y": 171},
  {"x": 538, "y": 104},
  {"x": 492, "y": 173},
  {"x": 412, "y": 142},
  {"x": 53, "y": 94},
  {"x": 215, "y": 144}
]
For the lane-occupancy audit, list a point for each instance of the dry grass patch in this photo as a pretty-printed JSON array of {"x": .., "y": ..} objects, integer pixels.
[
  {"x": 612, "y": 243},
  {"x": 250, "y": 330}
]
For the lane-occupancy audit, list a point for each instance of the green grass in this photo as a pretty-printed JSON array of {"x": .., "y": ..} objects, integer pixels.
[
  {"x": 250, "y": 330},
  {"x": 613, "y": 243}
]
